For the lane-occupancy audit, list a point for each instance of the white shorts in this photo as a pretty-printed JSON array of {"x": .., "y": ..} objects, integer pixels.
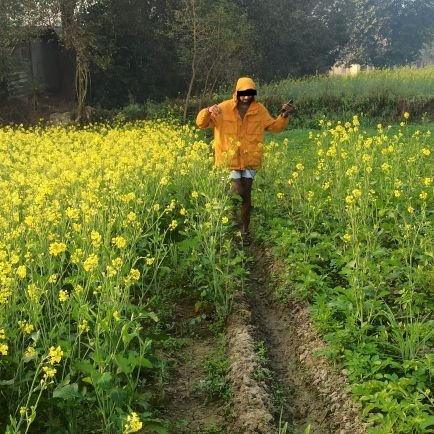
[{"x": 246, "y": 173}]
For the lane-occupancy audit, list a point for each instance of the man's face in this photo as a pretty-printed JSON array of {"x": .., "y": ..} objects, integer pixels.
[{"x": 245, "y": 99}]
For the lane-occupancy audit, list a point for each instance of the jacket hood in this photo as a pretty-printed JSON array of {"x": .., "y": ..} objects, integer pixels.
[{"x": 243, "y": 83}]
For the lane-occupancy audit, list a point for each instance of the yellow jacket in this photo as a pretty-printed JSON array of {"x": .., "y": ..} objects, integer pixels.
[{"x": 238, "y": 142}]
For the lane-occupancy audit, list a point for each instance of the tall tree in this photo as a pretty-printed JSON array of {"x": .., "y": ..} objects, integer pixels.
[
  {"x": 142, "y": 63},
  {"x": 297, "y": 37},
  {"x": 389, "y": 32},
  {"x": 214, "y": 42}
]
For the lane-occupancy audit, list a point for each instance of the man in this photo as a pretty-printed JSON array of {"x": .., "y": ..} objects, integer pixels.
[{"x": 239, "y": 125}]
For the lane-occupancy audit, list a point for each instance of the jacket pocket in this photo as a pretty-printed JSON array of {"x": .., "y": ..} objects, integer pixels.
[
  {"x": 254, "y": 128},
  {"x": 229, "y": 127}
]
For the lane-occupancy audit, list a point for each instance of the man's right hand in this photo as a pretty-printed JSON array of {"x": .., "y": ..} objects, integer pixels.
[
  {"x": 288, "y": 109},
  {"x": 215, "y": 110}
]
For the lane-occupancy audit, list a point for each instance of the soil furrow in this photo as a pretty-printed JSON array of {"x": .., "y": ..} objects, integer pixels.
[{"x": 313, "y": 394}]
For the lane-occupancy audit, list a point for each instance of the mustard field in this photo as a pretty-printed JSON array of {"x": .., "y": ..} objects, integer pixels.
[
  {"x": 98, "y": 226},
  {"x": 105, "y": 228},
  {"x": 352, "y": 219}
]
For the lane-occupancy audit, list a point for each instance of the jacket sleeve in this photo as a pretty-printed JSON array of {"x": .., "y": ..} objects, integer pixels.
[
  {"x": 204, "y": 119},
  {"x": 275, "y": 125}
]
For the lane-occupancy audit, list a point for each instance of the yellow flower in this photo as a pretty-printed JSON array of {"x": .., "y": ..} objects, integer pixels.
[
  {"x": 119, "y": 242},
  {"x": 117, "y": 263},
  {"x": 96, "y": 239},
  {"x": 76, "y": 256},
  {"x": 49, "y": 372},
  {"x": 173, "y": 225},
  {"x": 356, "y": 193},
  {"x": 55, "y": 249},
  {"x": 326, "y": 185},
  {"x": 349, "y": 199},
  {"x": 194, "y": 194},
  {"x": 352, "y": 171},
  {"x": 116, "y": 315},
  {"x": 78, "y": 289},
  {"x": 76, "y": 227},
  {"x": 427, "y": 181},
  {"x": 134, "y": 274},
  {"x": 410, "y": 210},
  {"x": 21, "y": 271},
  {"x": 156, "y": 207},
  {"x": 52, "y": 278},
  {"x": 280, "y": 195},
  {"x": 131, "y": 217},
  {"x": 346, "y": 238},
  {"x": 110, "y": 271},
  {"x": 385, "y": 167},
  {"x": 150, "y": 260},
  {"x": 423, "y": 195},
  {"x": 310, "y": 195},
  {"x": 299, "y": 166},
  {"x": 83, "y": 326},
  {"x": 26, "y": 327},
  {"x": 426, "y": 152},
  {"x": 30, "y": 353},
  {"x": 33, "y": 292},
  {"x": 164, "y": 180},
  {"x": 63, "y": 296},
  {"x": 397, "y": 193},
  {"x": 4, "y": 349},
  {"x": 23, "y": 411},
  {"x": 133, "y": 423},
  {"x": 406, "y": 115},
  {"x": 356, "y": 122},
  {"x": 29, "y": 220},
  {"x": 91, "y": 263},
  {"x": 225, "y": 220},
  {"x": 55, "y": 354}
]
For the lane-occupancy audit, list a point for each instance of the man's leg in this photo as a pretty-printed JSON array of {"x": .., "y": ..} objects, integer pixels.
[
  {"x": 237, "y": 198},
  {"x": 246, "y": 204}
]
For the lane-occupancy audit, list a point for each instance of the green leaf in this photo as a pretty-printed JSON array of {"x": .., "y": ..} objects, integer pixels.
[
  {"x": 153, "y": 316},
  {"x": 67, "y": 392},
  {"x": 428, "y": 421},
  {"x": 124, "y": 364},
  {"x": 104, "y": 380}
]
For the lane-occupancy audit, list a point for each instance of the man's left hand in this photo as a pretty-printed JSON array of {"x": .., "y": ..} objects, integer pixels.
[{"x": 287, "y": 109}]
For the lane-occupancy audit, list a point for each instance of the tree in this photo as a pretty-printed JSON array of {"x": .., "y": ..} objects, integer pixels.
[
  {"x": 297, "y": 37},
  {"x": 214, "y": 42},
  {"x": 143, "y": 58},
  {"x": 389, "y": 32},
  {"x": 28, "y": 18}
]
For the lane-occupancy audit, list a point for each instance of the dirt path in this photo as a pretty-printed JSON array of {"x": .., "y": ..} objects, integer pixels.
[
  {"x": 314, "y": 396},
  {"x": 273, "y": 371},
  {"x": 186, "y": 404}
]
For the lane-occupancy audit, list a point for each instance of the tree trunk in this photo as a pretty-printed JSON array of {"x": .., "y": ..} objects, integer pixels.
[{"x": 193, "y": 60}]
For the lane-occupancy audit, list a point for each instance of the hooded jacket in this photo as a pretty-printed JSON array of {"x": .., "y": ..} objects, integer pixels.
[{"x": 238, "y": 142}]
